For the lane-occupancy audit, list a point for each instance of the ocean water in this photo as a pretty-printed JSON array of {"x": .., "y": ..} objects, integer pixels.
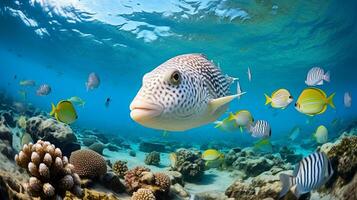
[{"x": 59, "y": 42}]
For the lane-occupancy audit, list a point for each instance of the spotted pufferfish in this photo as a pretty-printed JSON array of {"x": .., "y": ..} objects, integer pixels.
[{"x": 184, "y": 92}]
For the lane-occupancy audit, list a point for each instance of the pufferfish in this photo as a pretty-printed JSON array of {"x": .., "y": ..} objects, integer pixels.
[{"x": 184, "y": 92}]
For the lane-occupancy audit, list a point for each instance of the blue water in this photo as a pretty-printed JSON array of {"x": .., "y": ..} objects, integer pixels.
[{"x": 61, "y": 42}]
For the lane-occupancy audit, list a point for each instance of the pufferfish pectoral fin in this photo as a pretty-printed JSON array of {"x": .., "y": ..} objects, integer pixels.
[{"x": 215, "y": 104}]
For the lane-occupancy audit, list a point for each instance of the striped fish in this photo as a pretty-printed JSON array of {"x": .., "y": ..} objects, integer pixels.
[
  {"x": 261, "y": 129},
  {"x": 184, "y": 92},
  {"x": 312, "y": 172},
  {"x": 317, "y": 76}
]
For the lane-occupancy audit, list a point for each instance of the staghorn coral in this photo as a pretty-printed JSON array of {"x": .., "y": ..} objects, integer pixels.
[
  {"x": 120, "y": 168},
  {"x": 51, "y": 174},
  {"x": 88, "y": 163},
  {"x": 143, "y": 194},
  {"x": 132, "y": 178},
  {"x": 141, "y": 177},
  {"x": 189, "y": 164},
  {"x": 152, "y": 158},
  {"x": 163, "y": 181}
]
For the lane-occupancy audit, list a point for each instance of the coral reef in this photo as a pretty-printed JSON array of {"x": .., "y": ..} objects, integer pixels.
[
  {"x": 88, "y": 163},
  {"x": 152, "y": 158},
  {"x": 59, "y": 134},
  {"x": 51, "y": 174},
  {"x": 120, "y": 168},
  {"x": 143, "y": 194},
  {"x": 252, "y": 164},
  {"x": 141, "y": 177},
  {"x": 189, "y": 164}
]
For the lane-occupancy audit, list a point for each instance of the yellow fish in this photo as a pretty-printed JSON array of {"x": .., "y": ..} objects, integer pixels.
[
  {"x": 173, "y": 159},
  {"x": 261, "y": 143},
  {"x": 279, "y": 99},
  {"x": 213, "y": 158},
  {"x": 211, "y": 154},
  {"x": 21, "y": 121},
  {"x": 313, "y": 101},
  {"x": 242, "y": 118},
  {"x": 64, "y": 112},
  {"x": 226, "y": 125}
]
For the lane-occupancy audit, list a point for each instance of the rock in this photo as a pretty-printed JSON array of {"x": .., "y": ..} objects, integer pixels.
[
  {"x": 153, "y": 158},
  {"x": 89, "y": 141},
  {"x": 253, "y": 167},
  {"x": 112, "y": 182},
  {"x": 189, "y": 164},
  {"x": 8, "y": 118},
  {"x": 132, "y": 153},
  {"x": 56, "y": 132},
  {"x": 5, "y": 133},
  {"x": 175, "y": 177},
  {"x": 178, "y": 190},
  {"x": 6, "y": 150},
  {"x": 212, "y": 195},
  {"x": 97, "y": 147},
  {"x": 151, "y": 146},
  {"x": 112, "y": 147},
  {"x": 289, "y": 155},
  {"x": 93, "y": 195},
  {"x": 11, "y": 188}
]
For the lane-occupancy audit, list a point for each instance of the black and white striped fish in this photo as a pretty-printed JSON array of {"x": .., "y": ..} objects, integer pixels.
[
  {"x": 260, "y": 129},
  {"x": 312, "y": 172},
  {"x": 184, "y": 92},
  {"x": 317, "y": 76}
]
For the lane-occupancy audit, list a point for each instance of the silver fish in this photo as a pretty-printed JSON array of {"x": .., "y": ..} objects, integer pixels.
[
  {"x": 312, "y": 172},
  {"x": 184, "y": 92},
  {"x": 249, "y": 75},
  {"x": 43, "y": 90},
  {"x": 347, "y": 99},
  {"x": 317, "y": 76},
  {"x": 239, "y": 90},
  {"x": 93, "y": 81},
  {"x": 260, "y": 129}
]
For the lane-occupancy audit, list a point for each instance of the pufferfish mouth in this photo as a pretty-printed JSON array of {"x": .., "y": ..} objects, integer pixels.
[{"x": 142, "y": 110}]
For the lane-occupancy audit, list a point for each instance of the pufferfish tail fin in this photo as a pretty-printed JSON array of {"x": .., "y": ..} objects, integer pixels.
[{"x": 53, "y": 111}]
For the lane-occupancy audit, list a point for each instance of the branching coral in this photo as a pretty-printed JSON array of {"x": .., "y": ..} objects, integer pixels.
[
  {"x": 188, "y": 163},
  {"x": 143, "y": 194},
  {"x": 88, "y": 163},
  {"x": 120, "y": 168},
  {"x": 51, "y": 174},
  {"x": 141, "y": 177},
  {"x": 153, "y": 158}
]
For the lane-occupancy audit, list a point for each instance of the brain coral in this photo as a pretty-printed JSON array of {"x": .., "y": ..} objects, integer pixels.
[{"x": 88, "y": 163}]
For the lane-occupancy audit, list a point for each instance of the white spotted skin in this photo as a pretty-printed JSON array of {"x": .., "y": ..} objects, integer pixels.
[{"x": 185, "y": 105}]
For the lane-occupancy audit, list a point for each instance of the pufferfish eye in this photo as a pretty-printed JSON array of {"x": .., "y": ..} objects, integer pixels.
[{"x": 175, "y": 78}]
